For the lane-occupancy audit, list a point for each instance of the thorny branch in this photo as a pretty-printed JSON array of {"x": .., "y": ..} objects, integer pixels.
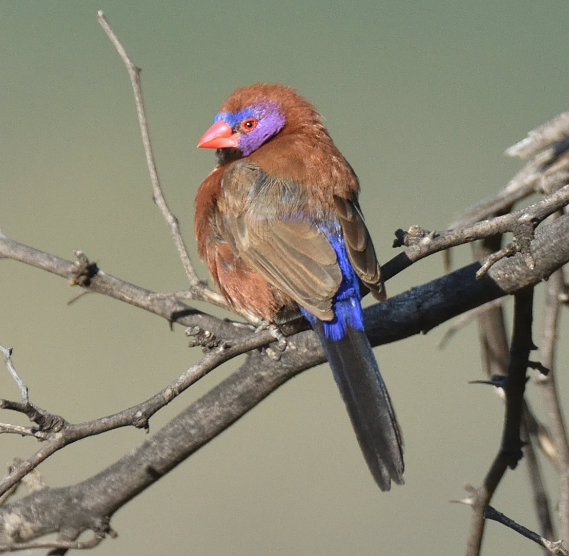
[
  {"x": 537, "y": 251},
  {"x": 510, "y": 451},
  {"x": 495, "y": 358}
]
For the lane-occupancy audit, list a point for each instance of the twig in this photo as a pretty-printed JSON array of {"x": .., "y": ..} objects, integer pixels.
[
  {"x": 168, "y": 306},
  {"x": 535, "y": 474},
  {"x": 507, "y": 251},
  {"x": 554, "y": 547},
  {"x": 7, "y": 353},
  {"x": 159, "y": 198},
  {"x": 423, "y": 245},
  {"x": 6, "y": 428},
  {"x": 546, "y": 172},
  {"x": 554, "y": 290}
]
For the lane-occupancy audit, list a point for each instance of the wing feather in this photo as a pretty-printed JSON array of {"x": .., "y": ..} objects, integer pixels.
[
  {"x": 360, "y": 246},
  {"x": 288, "y": 251}
]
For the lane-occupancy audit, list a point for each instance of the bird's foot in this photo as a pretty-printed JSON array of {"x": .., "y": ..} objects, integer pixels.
[{"x": 274, "y": 351}]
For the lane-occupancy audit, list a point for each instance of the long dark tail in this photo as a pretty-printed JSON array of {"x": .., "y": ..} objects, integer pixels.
[{"x": 367, "y": 400}]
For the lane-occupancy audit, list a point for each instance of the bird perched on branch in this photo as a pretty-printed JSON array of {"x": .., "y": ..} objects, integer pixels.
[{"x": 280, "y": 228}]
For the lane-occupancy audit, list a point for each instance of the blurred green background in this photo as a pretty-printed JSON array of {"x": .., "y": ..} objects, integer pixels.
[{"x": 421, "y": 97}]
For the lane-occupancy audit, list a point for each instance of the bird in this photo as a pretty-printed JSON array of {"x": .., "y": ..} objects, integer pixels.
[{"x": 281, "y": 231}]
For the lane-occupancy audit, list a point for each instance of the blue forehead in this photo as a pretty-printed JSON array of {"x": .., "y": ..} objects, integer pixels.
[{"x": 233, "y": 118}]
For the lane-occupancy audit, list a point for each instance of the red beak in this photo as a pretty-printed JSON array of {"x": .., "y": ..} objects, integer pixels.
[{"x": 219, "y": 136}]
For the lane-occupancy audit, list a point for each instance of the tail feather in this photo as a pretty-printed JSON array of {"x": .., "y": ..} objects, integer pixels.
[{"x": 367, "y": 400}]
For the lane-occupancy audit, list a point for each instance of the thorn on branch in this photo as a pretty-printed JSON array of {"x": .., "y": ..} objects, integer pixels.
[
  {"x": 499, "y": 381},
  {"x": 470, "y": 499},
  {"x": 83, "y": 271},
  {"x": 537, "y": 366}
]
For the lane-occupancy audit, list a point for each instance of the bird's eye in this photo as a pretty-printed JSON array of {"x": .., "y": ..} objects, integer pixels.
[{"x": 249, "y": 124}]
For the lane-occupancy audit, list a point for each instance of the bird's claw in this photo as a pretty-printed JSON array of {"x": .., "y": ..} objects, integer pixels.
[{"x": 274, "y": 351}]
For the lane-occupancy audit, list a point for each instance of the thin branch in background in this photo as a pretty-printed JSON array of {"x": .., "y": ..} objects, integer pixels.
[
  {"x": 495, "y": 351},
  {"x": 554, "y": 131},
  {"x": 462, "y": 321},
  {"x": 7, "y": 353},
  {"x": 197, "y": 289},
  {"x": 546, "y": 172},
  {"x": 33, "y": 481},
  {"x": 553, "y": 299},
  {"x": 535, "y": 475}
]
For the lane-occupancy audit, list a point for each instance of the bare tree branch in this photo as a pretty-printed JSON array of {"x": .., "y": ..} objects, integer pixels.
[
  {"x": 198, "y": 289},
  {"x": 521, "y": 223},
  {"x": 138, "y": 416}
]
